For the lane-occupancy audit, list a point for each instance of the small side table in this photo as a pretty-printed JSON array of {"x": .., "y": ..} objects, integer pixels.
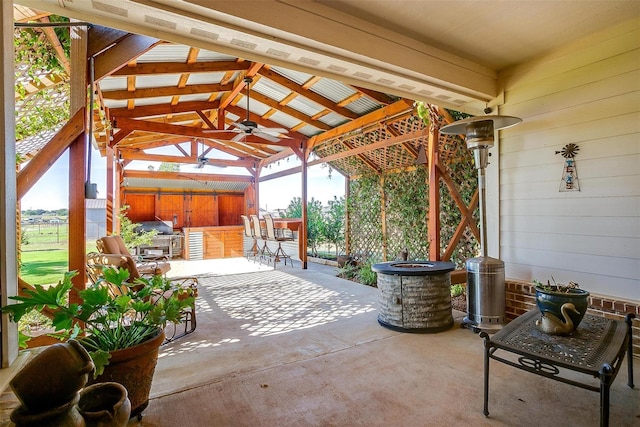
[{"x": 595, "y": 349}]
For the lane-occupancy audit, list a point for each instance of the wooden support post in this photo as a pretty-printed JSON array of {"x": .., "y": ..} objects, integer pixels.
[
  {"x": 383, "y": 220},
  {"x": 304, "y": 244},
  {"x": 347, "y": 225},
  {"x": 8, "y": 198},
  {"x": 434, "y": 193},
  {"x": 78, "y": 163},
  {"x": 110, "y": 202}
]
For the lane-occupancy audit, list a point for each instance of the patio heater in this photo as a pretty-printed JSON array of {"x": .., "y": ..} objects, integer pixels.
[{"x": 485, "y": 275}]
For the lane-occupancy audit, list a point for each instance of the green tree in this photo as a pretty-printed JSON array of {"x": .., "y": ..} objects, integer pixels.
[
  {"x": 333, "y": 224},
  {"x": 314, "y": 220},
  {"x": 169, "y": 167},
  {"x": 129, "y": 233}
]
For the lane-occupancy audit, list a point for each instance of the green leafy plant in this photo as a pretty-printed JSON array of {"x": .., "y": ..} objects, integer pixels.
[
  {"x": 130, "y": 233},
  {"x": 366, "y": 274},
  {"x": 556, "y": 287},
  {"x": 113, "y": 313},
  {"x": 333, "y": 224},
  {"x": 349, "y": 271},
  {"x": 457, "y": 290}
]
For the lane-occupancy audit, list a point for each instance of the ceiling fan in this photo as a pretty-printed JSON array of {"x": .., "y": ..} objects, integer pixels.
[
  {"x": 202, "y": 160},
  {"x": 249, "y": 127}
]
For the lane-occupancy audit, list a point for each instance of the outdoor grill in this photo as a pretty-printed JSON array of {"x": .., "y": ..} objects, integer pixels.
[{"x": 485, "y": 275}]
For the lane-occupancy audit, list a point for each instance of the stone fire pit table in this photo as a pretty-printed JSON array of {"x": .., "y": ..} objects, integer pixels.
[{"x": 415, "y": 296}]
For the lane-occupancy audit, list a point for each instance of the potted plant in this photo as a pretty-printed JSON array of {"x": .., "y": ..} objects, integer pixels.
[
  {"x": 115, "y": 321},
  {"x": 551, "y": 299}
]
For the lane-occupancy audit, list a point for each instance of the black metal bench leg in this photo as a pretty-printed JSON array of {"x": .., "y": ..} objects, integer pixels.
[
  {"x": 487, "y": 347},
  {"x": 629, "y": 319},
  {"x": 606, "y": 373}
]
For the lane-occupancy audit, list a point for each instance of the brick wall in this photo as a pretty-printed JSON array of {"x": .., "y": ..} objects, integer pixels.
[{"x": 521, "y": 297}]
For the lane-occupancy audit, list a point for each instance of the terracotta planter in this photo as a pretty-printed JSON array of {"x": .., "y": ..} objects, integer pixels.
[
  {"x": 133, "y": 367},
  {"x": 56, "y": 387},
  {"x": 551, "y": 301},
  {"x": 105, "y": 404}
]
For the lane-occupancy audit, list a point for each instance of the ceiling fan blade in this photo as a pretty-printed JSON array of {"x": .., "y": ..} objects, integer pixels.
[
  {"x": 264, "y": 135},
  {"x": 239, "y": 137},
  {"x": 274, "y": 130},
  {"x": 217, "y": 130}
]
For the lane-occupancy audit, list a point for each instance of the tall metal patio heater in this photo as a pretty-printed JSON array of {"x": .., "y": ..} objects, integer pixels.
[{"x": 485, "y": 275}]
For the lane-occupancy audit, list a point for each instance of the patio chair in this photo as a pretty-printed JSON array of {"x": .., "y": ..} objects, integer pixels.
[
  {"x": 97, "y": 262},
  {"x": 260, "y": 233},
  {"x": 248, "y": 231},
  {"x": 279, "y": 238},
  {"x": 137, "y": 266}
]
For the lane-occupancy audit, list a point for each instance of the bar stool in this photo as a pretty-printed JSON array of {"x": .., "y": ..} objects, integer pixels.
[
  {"x": 271, "y": 235},
  {"x": 248, "y": 231},
  {"x": 264, "y": 251}
]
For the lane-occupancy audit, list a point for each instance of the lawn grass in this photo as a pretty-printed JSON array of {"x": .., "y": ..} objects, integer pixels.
[
  {"x": 44, "y": 267},
  {"x": 45, "y": 264}
]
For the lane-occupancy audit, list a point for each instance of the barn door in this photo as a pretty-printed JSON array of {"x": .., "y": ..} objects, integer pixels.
[
  {"x": 141, "y": 207},
  {"x": 170, "y": 207},
  {"x": 230, "y": 207},
  {"x": 202, "y": 210}
]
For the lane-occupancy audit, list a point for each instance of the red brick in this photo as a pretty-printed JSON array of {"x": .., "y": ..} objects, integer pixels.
[{"x": 618, "y": 306}]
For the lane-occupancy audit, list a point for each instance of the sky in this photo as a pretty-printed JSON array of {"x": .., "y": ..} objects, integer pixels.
[{"x": 52, "y": 190}]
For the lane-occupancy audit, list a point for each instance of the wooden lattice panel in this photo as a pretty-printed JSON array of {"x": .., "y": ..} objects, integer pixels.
[{"x": 405, "y": 190}]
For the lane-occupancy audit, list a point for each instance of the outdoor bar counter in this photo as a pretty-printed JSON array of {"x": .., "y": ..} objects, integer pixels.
[{"x": 213, "y": 242}]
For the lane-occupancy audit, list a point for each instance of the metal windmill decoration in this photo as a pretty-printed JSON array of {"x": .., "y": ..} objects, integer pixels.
[{"x": 569, "y": 180}]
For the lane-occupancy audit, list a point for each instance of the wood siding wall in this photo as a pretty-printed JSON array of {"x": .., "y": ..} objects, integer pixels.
[
  {"x": 186, "y": 210},
  {"x": 587, "y": 94}
]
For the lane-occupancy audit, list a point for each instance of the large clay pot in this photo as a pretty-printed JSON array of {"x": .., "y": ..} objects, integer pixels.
[
  {"x": 551, "y": 301},
  {"x": 105, "y": 405},
  {"x": 133, "y": 367},
  {"x": 52, "y": 378},
  {"x": 65, "y": 415}
]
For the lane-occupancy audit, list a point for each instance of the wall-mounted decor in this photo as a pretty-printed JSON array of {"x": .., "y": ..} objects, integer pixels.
[{"x": 569, "y": 180}]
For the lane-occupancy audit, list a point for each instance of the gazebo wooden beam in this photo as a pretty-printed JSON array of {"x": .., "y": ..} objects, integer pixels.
[
  {"x": 163, "y": 109},
  {"x": 122, "y": 53},
  {"x": 307, "y": 93},
  {"x": 155, "y": 68},
  {"x": 363, "y": 122},
  {"x": 193, "y": 159},
  {"x": 186, "y": 176},
  {"x": 45, "y": 158},
  {"x": 153, "y": 92}
]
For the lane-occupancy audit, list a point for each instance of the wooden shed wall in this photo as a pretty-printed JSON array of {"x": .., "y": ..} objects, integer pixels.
[
  {"x": 185, "y": 209},
  {"x": 587, "y": 94}
]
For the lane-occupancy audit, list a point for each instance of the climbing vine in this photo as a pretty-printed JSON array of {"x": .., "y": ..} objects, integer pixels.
[
  {"x": 406, "y": 205},
  {"x": 34, "y": 59}
]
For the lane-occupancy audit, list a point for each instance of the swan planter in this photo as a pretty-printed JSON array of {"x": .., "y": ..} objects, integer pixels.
[{"x": 562, "y": 307}]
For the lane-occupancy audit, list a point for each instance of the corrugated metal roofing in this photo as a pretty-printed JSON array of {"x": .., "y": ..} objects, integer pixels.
[
  {"x": 332, "y": 90},
  {"x": 271, "y": 89},
  {"x": 205, "y": 78},
  {"x": 296, "y": 76},
  {"x": 113, "y": 83},
  {"x": 363, "y": 105},
  {"x": 186, "y": 184},
  {"x": 305, "y": 105},
  {"x": 95, "y": 203},
  {"x": 207, "y": 55},
  {"x": 333, "y": 119},
  {"x": 157, "y": 80},
  {"x": 165, "y": 53}
]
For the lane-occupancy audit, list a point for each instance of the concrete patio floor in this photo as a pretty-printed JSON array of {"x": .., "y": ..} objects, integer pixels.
[{"x": 297, "y": 347}]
